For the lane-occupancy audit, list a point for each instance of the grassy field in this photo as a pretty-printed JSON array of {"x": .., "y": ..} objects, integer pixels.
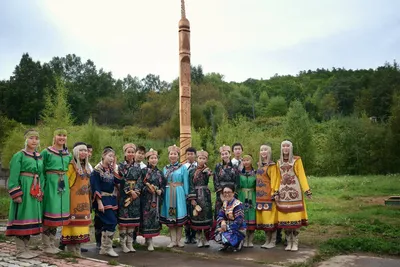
[{"x": 347, "y": 214}]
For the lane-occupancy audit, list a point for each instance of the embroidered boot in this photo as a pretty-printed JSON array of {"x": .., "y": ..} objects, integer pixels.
[
  {"x": 21, "y": 249},
  {"x": 70, "y": 248},
  {"x": 47, "y": 247},
  {"x": 246, "y": 240},
  {"x": 123, "y": 240},
  {"x": 53, "y": 240},
  {"x": 289, "y": 236},
  {"x": 295, "y": 240},
  {"x": 267, "y": 239},
  {"x": 172, "y": 234},
  {"x": 272, "y": 242},
  {"x": 106, "y": 244},
  {"x": 250, "y": 239},
  {"x": 78, "y": 251},
  {"x": 179, "y": 237},
  {"x": 149, "y": 242},
  {"x": 199, "y": 239},
  {"x": 206, "y": 237},
  {"x": 130, "y": 239}
]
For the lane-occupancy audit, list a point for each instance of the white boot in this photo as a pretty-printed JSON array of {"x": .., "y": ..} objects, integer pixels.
[
  {"x": 199, "y": 239},
  {"x": 272, "y": 243},
  {"x": 172, "y": 234},
  {"x": 78, "y": 252},
  {"x": 250, "y": 239},
  {"x": 179, "y": 237},
  {"x": 70, "y": 248},
  {"x": 267, "y": 239},
  {"x": 289, "y": 239},
  {"x": 205, "y": 241},
  {"x": 54, "y": 243},
  {"x": 246, "y": 240},
  {"x": 129, "y": 241},
  {"x": 47, "y": 247},
  {"x": 150, "y": 246},
  {"x": 106, "y": 244},
  {"x": 295, "y": 244},
  {"x": 122, "y": 239},
  {"x": 22, "y": 250}
]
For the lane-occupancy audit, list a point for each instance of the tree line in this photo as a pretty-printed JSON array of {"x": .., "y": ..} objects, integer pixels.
[{"x": 341, "y": 121}]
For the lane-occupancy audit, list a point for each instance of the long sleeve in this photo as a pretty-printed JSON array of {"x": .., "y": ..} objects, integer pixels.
[
  {"x": 273, "y": 175},
  {"x": 71, "y": 174},
  {"x": 299, "y": 170},
  {"x": 185, "y": 174},
  {"x": 217, "y": 185},
  {"x": 192, "y": 191},
  {"x": 95, "y": 185},
  {"x": 14, "y": 183},
  {"x": 221, "y": 216},
  {"x": 238, "y": 213},
  {"x": 278, "y": 178}
]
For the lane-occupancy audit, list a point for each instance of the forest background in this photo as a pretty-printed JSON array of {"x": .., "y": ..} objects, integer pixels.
[{"x": 340, "y": 121}]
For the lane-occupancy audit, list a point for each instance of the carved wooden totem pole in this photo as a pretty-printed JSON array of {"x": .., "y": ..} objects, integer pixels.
[{"x": 184, "y": 83}]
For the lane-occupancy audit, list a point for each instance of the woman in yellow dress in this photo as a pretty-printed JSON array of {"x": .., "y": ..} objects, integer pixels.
[
  {"x": 292, "y": 183},
  {"x": 77, "y": 232},
  {"x": 266, "y": 219}
]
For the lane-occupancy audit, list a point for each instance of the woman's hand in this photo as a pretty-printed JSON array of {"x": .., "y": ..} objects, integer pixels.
[
  {"x": 158, "y": 192},
  {"x": 18, "y": 200},
  {"x": 100, "y": 206},
  {"x": 193, "y": 202}
]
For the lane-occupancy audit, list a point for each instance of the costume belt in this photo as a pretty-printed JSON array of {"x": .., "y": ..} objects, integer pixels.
[
  {"x": 29, "y": 174},
  {"x": 61, "y": 183},
  {"x": 172, "y": 197},
  {"x": 106, "y": 194},
  {"x": 35, "y": 190}
]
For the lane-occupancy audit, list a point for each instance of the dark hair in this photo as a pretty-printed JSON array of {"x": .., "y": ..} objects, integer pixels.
[
  {"x": 141, "y": 148},
  {"x": 230, "y": 186},
  {"x": 191, "y": 149},
  {"x": 237, "y": 144},
  {"x": 79, "y": 143},
  {"x": 89, "y": 146}
]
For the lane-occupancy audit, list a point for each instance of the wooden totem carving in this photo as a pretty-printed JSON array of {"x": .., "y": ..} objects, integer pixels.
[{"x": 184, "y": 84}]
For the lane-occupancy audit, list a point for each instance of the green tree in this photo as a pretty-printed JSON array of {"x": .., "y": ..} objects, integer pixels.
[
  {"x": 276, "y": 107},
  {"x": 298, "y": 128}
]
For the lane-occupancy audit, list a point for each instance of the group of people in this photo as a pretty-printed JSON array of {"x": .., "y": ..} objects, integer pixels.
[{"x": 55, "y": 188}]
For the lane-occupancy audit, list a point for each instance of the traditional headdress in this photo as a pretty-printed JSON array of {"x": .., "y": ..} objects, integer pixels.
[
  {"x": 31, "y": 133},
  {"x": 151, "y": 152},
  {"x": 107, "y": 150},
  {"x": 62, "y": 132},
  {"x": 248, "y": 156},
  {"x": 129, "y": 145},
  {"x": 290, "y": 151},
  {"x": 202, "y": 153},
  {"x": 224, "y": 148},
  {"x": 77, "y": 147},
  {"x": 173, "y": 148}
]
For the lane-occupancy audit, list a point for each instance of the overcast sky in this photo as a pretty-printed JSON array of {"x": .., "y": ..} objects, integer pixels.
[{"x": 240, "y": 39}]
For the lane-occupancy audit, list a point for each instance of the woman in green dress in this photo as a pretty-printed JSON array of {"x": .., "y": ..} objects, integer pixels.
[
  {"x": 56, "y": 202},
  {"x": 24, "y": 186},
  {"x": 247, "y": 195}
]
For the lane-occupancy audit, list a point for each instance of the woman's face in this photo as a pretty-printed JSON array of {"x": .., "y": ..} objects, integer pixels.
[
  {"x": 130, "y": 154},
  {"x": 247, "y": 162},
  {"x": 286, "y": 149},
  {"x": 225, "y": 155},
  {"x": 83, "y": 154},
  {"x": 60, "y": 139},
  {"x": 32, "y": 142},
  {"x": 109, "y": 158},
  {"x": 201, "y": 160},
  {"x": 173, "y": 156},
  {"x": 264, "y": 152},
  {"x": 153, "y": 160},
  {"x": 228, "y": 194}
]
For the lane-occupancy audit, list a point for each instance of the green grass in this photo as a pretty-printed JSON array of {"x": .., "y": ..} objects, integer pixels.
[{"x": 346, "y": 215}]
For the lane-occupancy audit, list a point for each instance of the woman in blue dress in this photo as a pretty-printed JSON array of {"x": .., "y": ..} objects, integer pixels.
[
  {"x": 174, "y": 210},
  {"x": 102, "y": 180}
]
